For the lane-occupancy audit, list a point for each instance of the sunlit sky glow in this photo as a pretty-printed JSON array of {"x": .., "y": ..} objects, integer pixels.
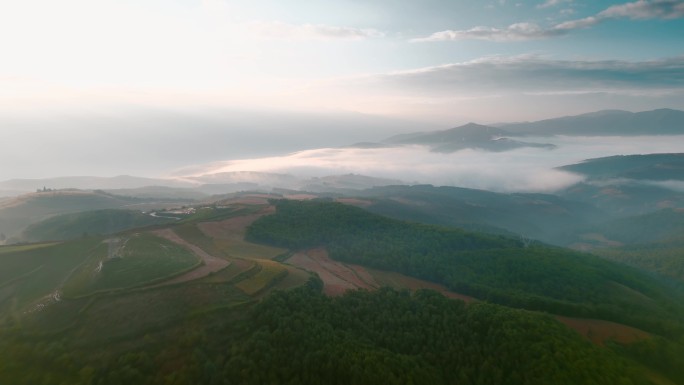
[{"x": 440, "y": 62}]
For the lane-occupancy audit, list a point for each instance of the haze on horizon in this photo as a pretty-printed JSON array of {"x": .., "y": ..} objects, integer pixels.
[{"x": 144, "y": 87}]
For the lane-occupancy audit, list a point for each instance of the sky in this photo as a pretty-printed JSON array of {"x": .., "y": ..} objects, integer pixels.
[{"x": 100, "y": 86}]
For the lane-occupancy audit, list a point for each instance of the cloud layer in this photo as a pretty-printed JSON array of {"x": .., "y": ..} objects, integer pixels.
[
  {"x": 519, "y": 170},
  {"x": 533, "y": 74},
  {"x": 642, "y": 10},
  {"x": 276, "y": 30}
]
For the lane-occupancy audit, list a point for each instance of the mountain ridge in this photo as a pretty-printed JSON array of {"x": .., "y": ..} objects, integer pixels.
[{"x": 662, "y": 121}]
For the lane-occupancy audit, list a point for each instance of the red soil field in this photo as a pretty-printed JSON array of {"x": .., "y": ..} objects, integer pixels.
[
  {"x": 210, "y": 264},
  {"x": 337, "y": 277},
  {"x": 599, "y": 331},
  {"x": 233, "y": 228}
]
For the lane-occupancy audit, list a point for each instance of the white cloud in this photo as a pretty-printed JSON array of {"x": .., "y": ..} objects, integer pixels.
[
  {"x": 577, "y": 24},
  {"x": 284, "y": 31},
  {"x": 514, "y": 32},
  {"x": 535, "y": 74},
  {"x": 642, "y": 9},
  {"x": 552, "y": 3},
  {"x": 525, "y": 169}
]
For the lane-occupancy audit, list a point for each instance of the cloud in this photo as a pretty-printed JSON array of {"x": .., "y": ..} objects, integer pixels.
[
  {"x": 495, "y": 89},
  {"x": 277, "y": 30},
  {"x": 514, "y": 32},
  {"x": 552, "y": 3},
  {"x": 526, "y": 169},
  {"x": 528, "y": 74},
  {"x": 577, "y": 24},
  {"x": 642, "y": 9}
]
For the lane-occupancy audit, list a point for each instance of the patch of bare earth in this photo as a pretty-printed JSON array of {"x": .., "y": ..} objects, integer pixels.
[
  {"x": 300, "y": 197},
  {"x": 354, "y": 202},
  {"x": 336, "y": 276},
  {"x": 210, "y": 264},
  {"x": 599, "y": 331},
  {"x": 398, "y": 280},
  {"x": 601, "y": 239},
  {"x": 232, "y": 229},
  {"x": 249, "y": 199}
]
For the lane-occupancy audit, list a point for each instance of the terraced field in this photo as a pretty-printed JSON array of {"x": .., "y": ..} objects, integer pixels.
[
  {"x": 229, "y": 237},
  {"x": 269, "y": 273},
  {"x": 139, "y": 312},
  {"x": 31, "y": 275},
  {"x": 33, "y": 246},
  {"x": 337, "y": 277}
]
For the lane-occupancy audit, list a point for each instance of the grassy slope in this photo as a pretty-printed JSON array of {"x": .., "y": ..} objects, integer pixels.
[
  {"x": 143, "y": 259},
  {"x": 100, "y": 222},
  {"x": 36, "y": 272},
  {"x": 25, "y": 210}
]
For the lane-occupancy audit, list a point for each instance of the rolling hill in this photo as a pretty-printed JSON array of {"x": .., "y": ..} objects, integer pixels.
[
  {"x": 500, "y": 269},
  {"x": 544, "y": 217},
  {"x": 608, "y": 122},
  {"x": 99, "y": 222},
  {"x": 17, "y": 213},
  {"x": 471, "y": 135},
  {"x": 651, "y": 167},
  {"x": 624, "y": 198},
  {"x": 195, "y": 302},
  {"x": 88, "y": 183}
]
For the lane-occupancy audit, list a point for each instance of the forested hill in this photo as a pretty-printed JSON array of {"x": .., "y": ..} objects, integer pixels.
[
  {"x": 493, "y": 268},
  {"x": 389, "y": 337},
  {"x": 641, "y": 167},
  {"x": 304, "y": 337}
]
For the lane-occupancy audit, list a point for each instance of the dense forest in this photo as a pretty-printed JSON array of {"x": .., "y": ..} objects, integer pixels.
[
  {"x": 304, "y": 337},
  {"x": 494, "y": 268}
]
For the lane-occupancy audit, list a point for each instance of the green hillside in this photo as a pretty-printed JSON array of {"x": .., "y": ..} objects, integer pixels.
[
  {"x": 543, "y": 217},
  {"x": 493, "y": 268},
  {"x": 652, "y": 227},
  {"x": 303, "y": 337},
  {"x": 649, "y": 167},
  {"x": 28, "y": 274},
  {"x": 18, "y": 213},
  {"x": 99, "y": 222},
  {"x": 665, "y": 257},
  {"x": 129, "y": 262},
  {"x": 61, "y": 303}
]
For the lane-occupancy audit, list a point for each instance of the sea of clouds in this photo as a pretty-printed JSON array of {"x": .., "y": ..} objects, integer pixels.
[{"x": 524, "y": 169}]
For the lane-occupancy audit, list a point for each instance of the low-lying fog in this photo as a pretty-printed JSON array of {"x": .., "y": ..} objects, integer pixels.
[{"x": 525, "y": 169}]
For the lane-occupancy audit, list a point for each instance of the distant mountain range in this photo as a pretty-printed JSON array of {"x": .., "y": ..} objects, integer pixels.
[
  {"x": 608, "y": 122},
  {"x": 195, "y": 187},
  {"x": 88, "y": 183},
  {"x": 471, "y": 135},
  {"x": 500, "y": 137}
]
